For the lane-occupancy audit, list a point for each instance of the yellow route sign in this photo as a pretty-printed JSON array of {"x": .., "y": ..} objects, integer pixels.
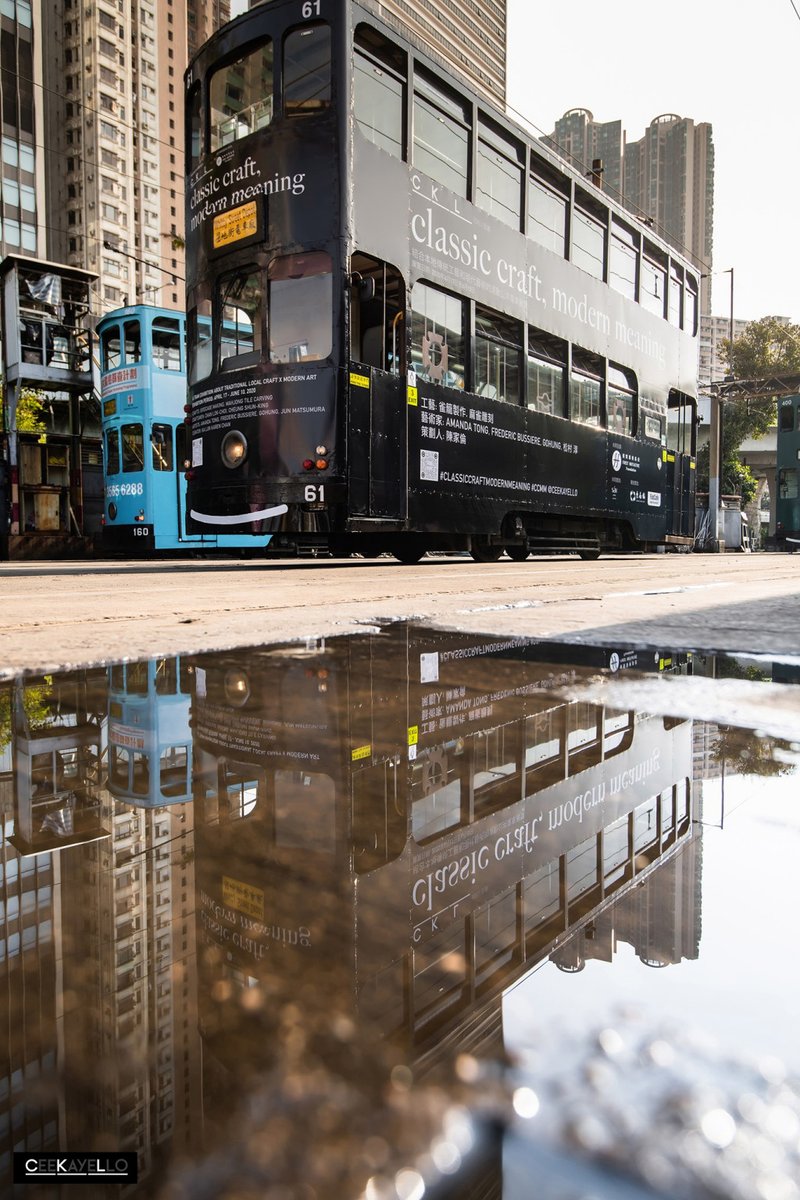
[{"x": 232, "y": 226}]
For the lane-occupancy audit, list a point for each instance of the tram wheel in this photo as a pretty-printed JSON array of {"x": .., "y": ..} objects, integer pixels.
[
  {"x": 518, "y": 553},
  {"x": 589, "y": 555},
  {"x": 483, "y": 552},
  {"x": 409, "y": 554}
]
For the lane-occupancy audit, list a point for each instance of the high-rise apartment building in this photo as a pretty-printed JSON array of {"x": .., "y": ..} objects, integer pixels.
[
  {"x": 92, "y": 137},
  {"x": 582, "y": 141},
  {"x": 469, "y": 34}
]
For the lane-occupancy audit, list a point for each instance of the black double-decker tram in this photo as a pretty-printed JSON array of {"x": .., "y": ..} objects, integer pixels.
[{"x": 411, "y": 326}]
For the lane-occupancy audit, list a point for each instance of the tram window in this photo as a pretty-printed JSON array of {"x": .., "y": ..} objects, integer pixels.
[
  {"x": 112, "y": 452},
  {"x": 380, "y": 86},
  {"x": 674, "y": 304},
  {"x": 653, "y": 427},
  {"x": 199, "y": 341},
  {"x": 241, "y": 305},
  {"x": 300, "y": 307},
  {"x": 498, "y": 356},
  {"x": 588, "y": 243},
  {"x": 499, "y": 174},
  {"x": 621, "y": 401},
  {"x": 194, "y": 120},
  {"x": 119, "y": 766},
  {"x": 166, "y": 679},
  {"x": 441, "y": 134},
  {"x": 623, "y": 256},
  {"x": 132, "y": 448},
  {"x": 141, "y": 774},
  {"x": 307, "y": 70},
  {"x": 786, "y": 418},
  {"x": 133, "y": 342},
  {"x": 161, "y": 442},
  {"x": 690, "y": 306},
  {"x": 585, "y": 389},
  {"x": 546, "y": 371},
  {"x": 541, "y": 896},
  {"x": 653, "y": 291},
  {"x": 138, "y": 678},
  {"x": 377, "y": 303},
  {"x": 681, "y": 423},
  {"x": 438, "y": 342},
  {"x": 547, "y": 216},
  {"x": 787, "y": 483},
  {"x": 240, "y": 97},
  {"x": 174, "y": 771},
  {"x": 581, "y": 869},
  {"x": 166, "y": 336},
  {"x": 110, "y": 348}
]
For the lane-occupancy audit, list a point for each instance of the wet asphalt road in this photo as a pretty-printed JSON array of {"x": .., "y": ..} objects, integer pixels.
[{"x": 57, "y": 614}]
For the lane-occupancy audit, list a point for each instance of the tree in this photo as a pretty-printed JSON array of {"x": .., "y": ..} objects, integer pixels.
[{"x": 767, "y": 347}]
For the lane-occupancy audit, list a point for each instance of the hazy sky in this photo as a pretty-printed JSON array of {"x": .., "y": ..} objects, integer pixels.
[{"x": 712, "y": 60}]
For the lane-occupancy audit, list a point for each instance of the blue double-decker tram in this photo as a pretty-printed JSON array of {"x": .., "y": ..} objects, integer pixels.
[
  {"x": 149, "y": 736},
  {"x": 787, "y": 503},
  {"x": 143, "y": 384}
]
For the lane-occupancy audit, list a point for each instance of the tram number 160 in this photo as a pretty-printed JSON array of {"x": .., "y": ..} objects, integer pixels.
[{"x": 141, "y": 531}]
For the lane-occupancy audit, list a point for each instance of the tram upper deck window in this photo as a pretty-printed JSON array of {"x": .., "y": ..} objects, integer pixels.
[
  {"x": 112, "y": 452},
  {"x": 194, "y": 125},
  {"x": 547, "y": 357},
  {"x": 441, "y": 133},
  {"x": 132, "y": 448},
  {"x": 300, "y": 307},
  {"x": 622, "y": 261},
  {"x": 110, "y": 348},
  {"x": 240, "y": 97},
  {"x": 133, "y": 342},
  {"x": 786, "y": 417},
  {"x": 166, "y": 336},
  {"x": 585, "y": 388},
  {"x": 547, "y": 216},
  {"x": 621, "y": 401},
  {"x": 199, "y": 340},
  {"x": 588, "y": 242},
  {"x": 690, "y": 308},
  {"x": 675, "y": 298},
  {"x": 498, "y": 356},
  {"x": 307, "y": 70},
  {"x": 438, "y": 338},
  {"x": 499, "y": 173},
  {"x": 380, "y": 74},
  {"x": 653, "y": 291},
  {"x": 241, "y": 316}
]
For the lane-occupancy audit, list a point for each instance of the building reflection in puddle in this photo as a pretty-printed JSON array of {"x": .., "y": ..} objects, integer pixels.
[{"x": 279, "y": 885}]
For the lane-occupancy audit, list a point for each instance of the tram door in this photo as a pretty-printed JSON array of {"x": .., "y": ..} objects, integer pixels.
[
  {"x": 377, "y": 411},
  {"x": 680, "y": 463}
]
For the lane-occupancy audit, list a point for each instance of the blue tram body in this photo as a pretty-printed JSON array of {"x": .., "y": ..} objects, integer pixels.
[
  {"x": 143, "y": 385},
  {"x": 149, "y": 734}
]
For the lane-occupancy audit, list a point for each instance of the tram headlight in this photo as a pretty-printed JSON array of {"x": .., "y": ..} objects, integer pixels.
[
  {"x": 237, "y": 688},
  {"x": 112, "y": 511},
  {"x": 234, "y": 448}
]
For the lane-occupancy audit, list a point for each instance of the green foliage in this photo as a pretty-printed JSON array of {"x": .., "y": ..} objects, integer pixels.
[
  {"x": 36, "y": 704},
  {"x": 29, "y": 411},
  {"x": 767, "y": 347}
]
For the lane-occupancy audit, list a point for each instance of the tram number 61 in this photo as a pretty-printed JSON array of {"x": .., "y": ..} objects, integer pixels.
[
  {"x": 311, "y": 8},
  {"x": 314, "y": 494}
]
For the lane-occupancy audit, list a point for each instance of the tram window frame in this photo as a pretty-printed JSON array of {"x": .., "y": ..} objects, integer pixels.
[
  {"x": 162, "y": 448},
  {"x": 586, "y": 382},
  {"x": 551, "y": 200},
  {"x": 502, "y": 339},
  {"x": 200, "y": 354},
  {"x": 691, "y": 305},
  {"x": 380, "y": 71},
  {"x": 786, "y": 418},
  {"x": 299, "y": 297},
  {"x": 443, "y": 109},
  {"x": 113, "y": 459},
  {"x": 165, "y": 339},
  {"x": 235, "y": 347},
  {"x": 306, "y": 105},
  {"x": 132, "y": 460},
  {"x": 654, "y": 272},
  {"x": 675, "y": 296},
  {"x": 682, "y": 431},
  {"x": 132, "y": 331},
  {"x": 500, "y": 159},
  {"x": 621, "y": 397},
  {"x": 623, "y": 259},
  {"x": 240, "y": 126},
  {"x": 546, "y": 353},
  {"x": 452, "y": 304},
  {"x": 111, "y": 335},
  {"x": 589, "y": 240},
  {"x": 194, "y": 125}
]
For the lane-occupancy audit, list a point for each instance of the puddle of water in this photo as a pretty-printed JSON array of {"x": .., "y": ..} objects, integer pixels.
[{"x": 404, "y": 914}]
